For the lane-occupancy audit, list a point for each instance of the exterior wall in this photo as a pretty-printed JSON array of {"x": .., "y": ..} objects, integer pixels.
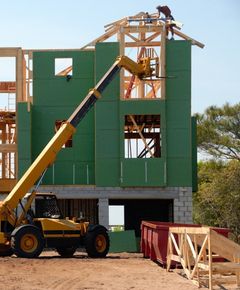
[
  {"x": 107, "y": 120},
  {"x": 55, "y": 98},
  {"x": 178, "y": 112},
  {"x": 183, "y": 206},
  {"x": 143, "y": 171},
  {"x": 97, "y": 155}
]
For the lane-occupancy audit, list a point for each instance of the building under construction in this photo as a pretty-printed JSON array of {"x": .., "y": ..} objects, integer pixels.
[{"x": 136, "y": 148}]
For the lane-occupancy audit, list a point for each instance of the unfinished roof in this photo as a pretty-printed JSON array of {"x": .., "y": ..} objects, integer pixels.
[{"x": 141, "y": 22}]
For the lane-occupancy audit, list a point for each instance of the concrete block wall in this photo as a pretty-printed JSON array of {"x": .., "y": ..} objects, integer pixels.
[{"x": 183, "y": 206}]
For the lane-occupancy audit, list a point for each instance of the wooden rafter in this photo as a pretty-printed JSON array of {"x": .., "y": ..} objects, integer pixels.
[
  {"x": 141, "y": 135},
  {"x": 7, "y": 87}
]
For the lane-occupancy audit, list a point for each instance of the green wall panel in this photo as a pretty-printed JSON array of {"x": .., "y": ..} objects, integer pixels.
[
  {"x": 107, "y": 172},
  {"x": 23, "y": 165},
  {"x": 107, "y": 169},
  {"x": 179, "y": 143},
  {"x": 178, "y": 113},
  {"x": 55, "y": 98},
  {"x": 97, "y": 155},
  {"x": 143, "y": 172},
  {"x": 194, "y": 155},
  {"x": 178, "y": 171}
]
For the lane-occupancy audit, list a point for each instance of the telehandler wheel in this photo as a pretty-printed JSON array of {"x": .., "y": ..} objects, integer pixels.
[
  {"x": 97, "y": 242},
  {"x": 66, "y": 252},
  {"x": 27, "y": 241}
]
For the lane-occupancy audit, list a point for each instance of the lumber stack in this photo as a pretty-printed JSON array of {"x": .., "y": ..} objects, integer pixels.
[{"x": 207, "y": 258}]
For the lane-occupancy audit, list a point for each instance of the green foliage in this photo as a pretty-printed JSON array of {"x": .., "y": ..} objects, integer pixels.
[
  {"x": 217, "y": 203},
  {"x": 219, "y": 131},
  {"x": 118, "y": 228}
]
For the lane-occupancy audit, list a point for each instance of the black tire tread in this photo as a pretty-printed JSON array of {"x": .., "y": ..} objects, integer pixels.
[
  {"x": 16, "y": 239},
  {"x": 66, "y": 252},
  {"x": 90, "y": 242}
]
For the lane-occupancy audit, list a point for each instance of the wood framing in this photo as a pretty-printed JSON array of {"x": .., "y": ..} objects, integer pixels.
[
  {"x": 8, "y": 150},
  {"x": 8, "y": 137},
  {"x": 143, "y": 33},
  {"x": 207, "y": 258}
]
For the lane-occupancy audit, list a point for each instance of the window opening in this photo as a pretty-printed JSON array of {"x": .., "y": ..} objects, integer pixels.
[
  {"x": 63, "y": 67},
  {"x": 116, "y": 217},
  {"x": 142, "y": 136}
]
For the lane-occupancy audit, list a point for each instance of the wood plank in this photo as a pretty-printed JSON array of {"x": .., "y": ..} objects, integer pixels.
[
  {"x": 163, "y": 64},
  {"x": 7, "y": 87},
  {"x": 143, "y": 43},
  {"x": 189, "y": 230},
  {"x": 9, "y": 51},
  {"x": 141, "y": 135},
  {"x": 184, "y": 36},
  {"x": 101, "y": 38},
  {"x": 224, "y": 247},
  {"x": 7, "y": 148},
  {"x": 140, "y": 29}
]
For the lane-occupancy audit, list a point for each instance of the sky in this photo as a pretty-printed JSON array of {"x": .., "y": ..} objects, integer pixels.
[{"x": 74, "y": 23}]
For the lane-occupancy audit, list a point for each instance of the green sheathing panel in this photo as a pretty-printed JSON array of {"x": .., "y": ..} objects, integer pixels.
[
  {"x": 178, "y": 113},
  {"x": 54, "y": 99},
  {"x": 123, "y": 241},
  {"x": 24, "y": 137},
  {"x": 194, "y": 155},
  {"x": 107, "y": 162},
  {"x": 143, "y": 171}
]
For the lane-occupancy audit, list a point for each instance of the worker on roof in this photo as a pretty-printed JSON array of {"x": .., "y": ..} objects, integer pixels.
[{"x": 167, "y": 13}]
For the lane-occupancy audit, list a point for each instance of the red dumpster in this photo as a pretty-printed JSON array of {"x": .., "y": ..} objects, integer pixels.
[{"x": 154, "y": 238}]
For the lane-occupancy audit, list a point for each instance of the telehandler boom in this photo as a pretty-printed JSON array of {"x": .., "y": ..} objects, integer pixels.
[{"x": 26, "y": 233}]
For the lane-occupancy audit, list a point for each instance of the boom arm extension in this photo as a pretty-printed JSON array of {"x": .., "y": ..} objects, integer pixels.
[{"x": 48, "y": 155}]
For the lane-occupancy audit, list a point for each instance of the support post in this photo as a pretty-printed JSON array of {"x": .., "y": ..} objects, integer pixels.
[{"x": 103, "y": 212}]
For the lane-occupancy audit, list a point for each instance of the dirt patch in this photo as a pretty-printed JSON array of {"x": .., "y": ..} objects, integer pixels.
[{"x": 117, "y": 271}]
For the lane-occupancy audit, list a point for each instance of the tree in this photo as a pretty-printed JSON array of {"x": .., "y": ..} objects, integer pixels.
[
  {"x": 219, "y": 131},
  {"x": 217, "y": 202}
]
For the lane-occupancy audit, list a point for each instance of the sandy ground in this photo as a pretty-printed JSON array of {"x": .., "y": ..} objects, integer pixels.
[{"x": 117, "y": 271}]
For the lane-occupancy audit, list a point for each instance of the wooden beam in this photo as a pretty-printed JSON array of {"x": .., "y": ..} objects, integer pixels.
[
  {"x": 141, "y": 135},
  {"x": 143, "y": 43},
  {"x": 102, "y": 38},
  {"x": 193, "y": 41},
  {"x": 19, "y": 76},
  {"x": 8, "y": 148},
  {"x": 139, "y": 29},
  {"x": 162, "y": 61},
  {"x": 7, "y": 87},
  {"x": 9, "y": 51}
]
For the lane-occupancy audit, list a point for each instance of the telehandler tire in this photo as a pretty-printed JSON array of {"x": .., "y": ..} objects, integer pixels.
[
  {"x": 27, "y": 241},
  {"x": 97, "y": 242},
  {"x": 66, "y": 252}
]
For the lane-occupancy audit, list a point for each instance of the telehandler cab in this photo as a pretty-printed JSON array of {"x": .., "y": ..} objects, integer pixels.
[{"x": 25, "y": 232}]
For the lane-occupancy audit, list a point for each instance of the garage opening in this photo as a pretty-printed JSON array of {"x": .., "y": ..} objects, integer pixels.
[
  {"x": 137, "y": 210},
  {"x": 116, "y": 217}
]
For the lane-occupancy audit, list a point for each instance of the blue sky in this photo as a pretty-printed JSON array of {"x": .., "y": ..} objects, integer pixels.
[{"x": 72, "y": 23}]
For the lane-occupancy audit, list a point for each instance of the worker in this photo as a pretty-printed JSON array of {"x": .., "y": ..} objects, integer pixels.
[
  {"x": 148, "y": 18},
  {"x": 167, "y": 13}
]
